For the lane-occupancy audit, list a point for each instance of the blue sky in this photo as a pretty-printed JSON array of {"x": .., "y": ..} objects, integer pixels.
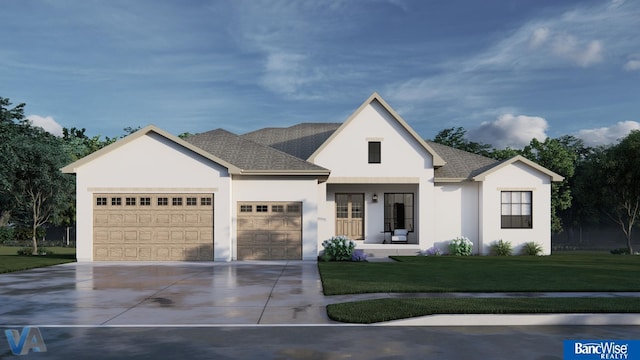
[{"x": 506, "y": 70}]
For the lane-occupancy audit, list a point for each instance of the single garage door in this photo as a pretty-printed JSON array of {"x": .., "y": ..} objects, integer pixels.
[
  {"x": 269, "y": 231},
  {"x": 138, "y": 227}
]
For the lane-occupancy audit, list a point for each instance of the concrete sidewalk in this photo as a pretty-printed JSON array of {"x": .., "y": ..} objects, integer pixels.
[{"x": 236, "y": 293}]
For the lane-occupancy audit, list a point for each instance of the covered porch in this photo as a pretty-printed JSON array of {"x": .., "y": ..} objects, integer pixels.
[{"x": 378, "y": 217}]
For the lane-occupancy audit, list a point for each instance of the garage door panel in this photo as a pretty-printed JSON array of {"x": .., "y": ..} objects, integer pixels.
[
  {"x": 269, "y": 231},
  {"x": 152, "y": 227}
]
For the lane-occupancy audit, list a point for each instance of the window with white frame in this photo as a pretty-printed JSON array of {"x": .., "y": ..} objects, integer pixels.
[{"x": 516, "y": 210}]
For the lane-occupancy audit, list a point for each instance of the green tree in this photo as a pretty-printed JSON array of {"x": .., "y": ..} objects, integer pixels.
[
  {"x": 32, "y": 188},
  {"x": 40, "y": 191},
  {"x": 560, "y": 157},
  {"x": 10, "y": 120},
  {"x": 456, "y": 138},
  {"x": 611, "y": 179}
]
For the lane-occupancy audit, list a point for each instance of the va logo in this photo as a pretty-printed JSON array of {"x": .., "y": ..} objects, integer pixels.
[{"x": 29, "y": 339}]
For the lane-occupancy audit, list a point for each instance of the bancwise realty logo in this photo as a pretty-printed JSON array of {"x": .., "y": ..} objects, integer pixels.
[{"x": 602, "y": 349}]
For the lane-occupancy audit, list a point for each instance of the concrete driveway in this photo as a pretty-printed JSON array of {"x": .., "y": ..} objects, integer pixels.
[
  {"x": 177, "y": 293},
  {"x": 208, "y": 293}
]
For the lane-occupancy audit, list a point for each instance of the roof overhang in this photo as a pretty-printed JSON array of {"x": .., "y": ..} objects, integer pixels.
[
  {"x": 437, "y": 160},
  {"x": 73, "y": 167},
  {"x": 519, "y": 158}
]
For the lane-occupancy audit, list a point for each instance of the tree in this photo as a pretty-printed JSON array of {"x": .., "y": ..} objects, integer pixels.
[
  {"x": 39, "y": 190},
  {"x": 10, "y": 120},
  {"x": 559, "y": 156},
  {"x": 456, "y": 138},
  {"x": 32, "y": 188},
  {"x": 611, "y": 176}
]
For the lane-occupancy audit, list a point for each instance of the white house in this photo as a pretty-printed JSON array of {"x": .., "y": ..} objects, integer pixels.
[{"x": 277, "y": 193}]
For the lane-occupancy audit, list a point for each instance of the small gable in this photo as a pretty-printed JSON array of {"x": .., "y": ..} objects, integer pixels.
[{"x": 375, "y": 141}]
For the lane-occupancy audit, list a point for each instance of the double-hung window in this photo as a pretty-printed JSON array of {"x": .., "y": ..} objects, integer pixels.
[{"x": 516, "y": 210}]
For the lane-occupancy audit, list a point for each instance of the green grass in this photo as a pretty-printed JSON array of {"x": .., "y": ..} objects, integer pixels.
[
  {"x": 371, "y": 311},
  {"x": 10, "y": 262},
  {"x": 484, "y": 274}
]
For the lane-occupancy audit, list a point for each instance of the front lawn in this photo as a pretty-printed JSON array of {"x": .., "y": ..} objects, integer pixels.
[
  {"x": 588, "y": 272},
  {"x": 371, "y": 311},
  {"x": 10, "y": 262}
]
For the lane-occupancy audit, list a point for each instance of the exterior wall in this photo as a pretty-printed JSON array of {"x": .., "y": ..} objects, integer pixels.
[
  {"x": 270, "y": 188},
  {"x": 516, "y": 177},
  {"x": 457, "y": 214},
  {"x": 402, "y": 156},
  {"x": 154, "y": 164}
]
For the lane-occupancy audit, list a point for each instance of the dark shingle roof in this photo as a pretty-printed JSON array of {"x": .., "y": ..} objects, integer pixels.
[
  {"x": 300, "y": 140},
  {"x": 460, "y": 164},
  {"x": 249, "y": 155}
]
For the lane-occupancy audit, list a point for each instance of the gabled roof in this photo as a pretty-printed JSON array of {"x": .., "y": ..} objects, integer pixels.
[
  {"x": 73, "y": 167},
  {"x": 298, "y": 140},
  {"x": 437, "y": 160},
  {"x": 460, "y": 165},
  {"x": 482, "y": 175},
  {"x": 252, "y": 158}
]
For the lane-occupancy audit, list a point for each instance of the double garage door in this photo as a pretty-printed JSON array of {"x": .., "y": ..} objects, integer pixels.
[
  {"x": 138, "y": 227},
  {"x": 269, "y": 231}
]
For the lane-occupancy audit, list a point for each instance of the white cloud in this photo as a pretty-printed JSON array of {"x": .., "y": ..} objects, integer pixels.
[
  {"x": 510, "y": 130},
  {"x": 47, "y": 123},
  {"x": 570, "y": 48},
  {"x": 633, "y": 63},
  {"x": 607, "y": 135},
  {"x": 538, "y": 37}
]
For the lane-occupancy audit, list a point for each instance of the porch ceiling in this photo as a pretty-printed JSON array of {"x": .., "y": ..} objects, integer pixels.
[{"x": 373, "y": 180}]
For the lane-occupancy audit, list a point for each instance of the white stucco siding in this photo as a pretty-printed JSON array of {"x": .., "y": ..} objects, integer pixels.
[
  {"x": 401, "y": 155},
  {"x": 152, "y": 163},
  {"x": 457, "y": 214},
  {"x": 269, "y": 188},
  {"x": 516, "y": 177}
]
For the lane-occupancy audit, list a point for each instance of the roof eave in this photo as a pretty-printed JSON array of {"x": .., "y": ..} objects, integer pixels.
[
  {"x": 73, "y": 167},
  {"x": 437, "y": 160}
]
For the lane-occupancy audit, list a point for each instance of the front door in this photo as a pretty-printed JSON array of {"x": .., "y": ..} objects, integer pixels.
[{"x": 350, "y": 215}]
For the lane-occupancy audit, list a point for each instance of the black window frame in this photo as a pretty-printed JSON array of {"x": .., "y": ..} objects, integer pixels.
[
  {"x": 518, "y": 221},
  {"x": 101, "y": 201},
  {"x": 392, "y": 202},
  {"x": 116, "y": 201},
  {"x": 375, "y": 152}
]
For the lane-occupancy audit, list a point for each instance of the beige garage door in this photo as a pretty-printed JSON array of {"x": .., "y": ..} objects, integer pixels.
[
  {"x": 138, "y": 227},
  {"x": 269, "y": 231}
]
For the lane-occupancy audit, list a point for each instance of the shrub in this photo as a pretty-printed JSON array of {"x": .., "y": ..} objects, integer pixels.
[
  {"x": 532, "y": 248},
  {"x": 460, "y": 246},
  {"x": 25, "y": 251},
  {"x": 358, "y": 255},
  {"x": 29, "y": 251},
  {"x": 620, "y": 251},
  {"x": 432, "y": 251},
  {"x": 501, "y": 248},
  {"x": 338, "y": 248}
]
